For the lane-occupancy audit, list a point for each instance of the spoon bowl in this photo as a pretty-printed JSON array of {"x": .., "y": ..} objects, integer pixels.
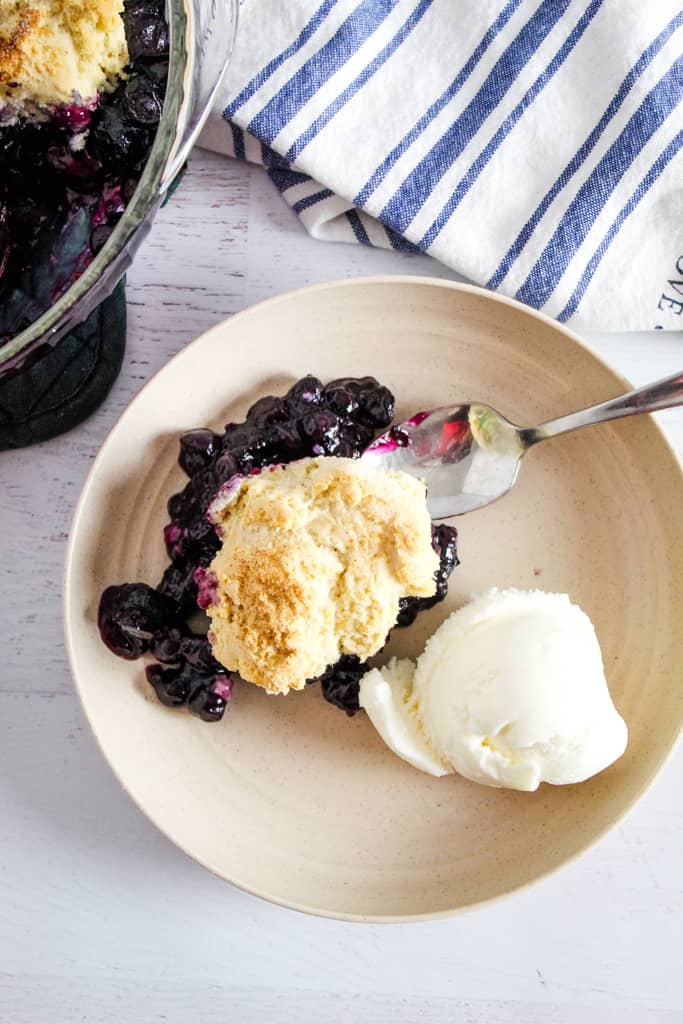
[{"x": 469, "y": 454}]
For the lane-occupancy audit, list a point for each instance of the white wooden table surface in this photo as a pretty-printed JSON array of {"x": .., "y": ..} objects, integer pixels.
[{"x": 103, "y": 920}]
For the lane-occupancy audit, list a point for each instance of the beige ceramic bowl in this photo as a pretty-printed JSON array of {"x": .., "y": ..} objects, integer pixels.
[{"x": 288, "y": 798}]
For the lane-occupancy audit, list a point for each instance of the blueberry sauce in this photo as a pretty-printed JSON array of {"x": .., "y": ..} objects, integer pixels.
[
  {"x": 339, "y": 419},
  {"x": 207, "y": 587},
  {"x": 396, "y": 437},
  {"x": 65, "y": 181}
]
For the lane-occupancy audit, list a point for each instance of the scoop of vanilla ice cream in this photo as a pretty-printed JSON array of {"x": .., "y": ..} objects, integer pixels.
[
  {"x": 510, "y": 691},
  {"x": 315, "y": 556},
  {"x": 386, "y": 695}
]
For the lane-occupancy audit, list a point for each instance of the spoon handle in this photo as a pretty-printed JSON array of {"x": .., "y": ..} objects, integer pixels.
[{"x": 663, "y": 394}]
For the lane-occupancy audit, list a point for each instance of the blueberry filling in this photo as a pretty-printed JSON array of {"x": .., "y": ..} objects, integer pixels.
[
  {"x": 131, "y": 616},
  {"x": 339, "y": 419},
  {"x": 444, "y": 542},
  {"x": 340, "y": 683},
  {"x": 65, "y": 181},
  {"x": 206, "y": 694}
]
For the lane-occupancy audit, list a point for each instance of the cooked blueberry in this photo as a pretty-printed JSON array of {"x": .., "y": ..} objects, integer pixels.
[
  {"x": 248, "y": 445},
  {"x": 146, "y": 30},
  {"x": 400, "y": 438},
  {"x": 196, "y": 650},
  {"x": 178, "y": 585},
  {"x": 166, "y": 645},
  {"x": 321, "y": 427},
  {"x": 284, "y": 442},
  {"x": 225, "y": 466},
  {"x": 80, "y": 166},
  {"x": 197, "y": 450},
  {"x": 182, "y": 506},
  {"x": 342, "y": 397},
  {"x": 73, "y": 116},
  {"x": 156, "y": 72},
  {"x": 377, "y": 406},
  {"x": 175, "y": 539},
  {"x": 141, "y": 101},
  {"x": 268, "y": 410},
  {"x": 345, "y": 450},
  {"x": 207, "y": 550},
  {"x": 358, "y": 436},
  {"x": 340, "y": 683},
  {"x": 307, "y": 391},
  {"x": 201, "y": 530},
  {"x": 203, "y": 481},
  {"x": 206, "y": 498},
  {"x": 117, "y": 139},
  {"x": 130, "y": 614},
  {"x": 210, "y": 699},
  {"x": 352, "y": 384},
  {"x": 408, "y": 609},
  {"x": 238, "y": 436},
  {"x": 172, "y": 685}
]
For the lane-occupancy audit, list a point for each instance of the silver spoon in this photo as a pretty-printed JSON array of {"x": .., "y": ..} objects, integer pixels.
[{"x": 469, "y": 455}]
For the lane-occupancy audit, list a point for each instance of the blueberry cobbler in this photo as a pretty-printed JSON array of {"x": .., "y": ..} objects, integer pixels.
[
  {"x": 303, "y": 555},
  {"x": 82, "y": 86}
]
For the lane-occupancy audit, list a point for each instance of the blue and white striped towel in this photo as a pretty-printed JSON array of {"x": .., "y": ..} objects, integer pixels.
[{"x": 532, "y": 146}]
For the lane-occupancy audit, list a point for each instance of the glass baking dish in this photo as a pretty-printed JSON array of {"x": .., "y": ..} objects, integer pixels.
[{"x": 202, "y": 33}]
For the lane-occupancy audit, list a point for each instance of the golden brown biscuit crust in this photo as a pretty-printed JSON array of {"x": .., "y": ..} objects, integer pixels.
[
  {"x": 315, "y": 558},
  {"x": 58, "y": 51}
]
